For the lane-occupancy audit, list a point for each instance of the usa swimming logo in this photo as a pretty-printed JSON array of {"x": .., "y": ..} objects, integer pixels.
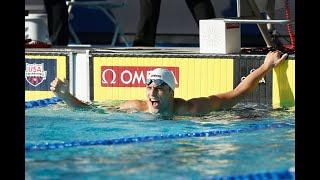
[{"x": 35, "y": 74}]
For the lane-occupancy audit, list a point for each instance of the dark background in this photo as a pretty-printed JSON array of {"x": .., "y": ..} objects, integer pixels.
[{"x": 176, "y": 26}]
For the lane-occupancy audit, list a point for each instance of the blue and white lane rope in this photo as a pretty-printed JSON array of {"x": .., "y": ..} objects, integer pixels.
[
  {"x": 129, "y": 140},
  {"x": 274, "y": 175},
  {"x": 42, "y": 102}
]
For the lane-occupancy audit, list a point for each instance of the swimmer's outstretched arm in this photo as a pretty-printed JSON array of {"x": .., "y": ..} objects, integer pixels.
[
  {"x": 61, "y": 90},
  {"x": 229, "y": 99}
]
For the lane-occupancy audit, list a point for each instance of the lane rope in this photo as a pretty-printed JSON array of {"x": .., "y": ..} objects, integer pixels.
[
  {"x": 274, "y": 175},
  {"x": 130, "y": 140},
  {"x": 42, "y": 102}
]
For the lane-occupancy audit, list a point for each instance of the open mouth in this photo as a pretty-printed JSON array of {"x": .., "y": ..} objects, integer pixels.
[{"x": 154, "y": 103}]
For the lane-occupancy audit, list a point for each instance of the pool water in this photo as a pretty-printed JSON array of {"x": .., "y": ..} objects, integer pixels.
[{"x": 262, "y": 150}]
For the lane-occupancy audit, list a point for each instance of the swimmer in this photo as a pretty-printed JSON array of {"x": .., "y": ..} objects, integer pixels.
[{"x": 160, "y": 87}]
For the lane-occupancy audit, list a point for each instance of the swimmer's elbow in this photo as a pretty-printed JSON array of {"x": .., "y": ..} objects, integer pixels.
[
  {"x": 129, "y": 105},
  {"x": 224, "y": 101},
  {"x": 123, "y": 106}
]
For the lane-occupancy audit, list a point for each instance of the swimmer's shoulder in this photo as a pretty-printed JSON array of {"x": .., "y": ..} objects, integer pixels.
[
  {"x": 180, "y": 106},
  {"x": 134, "y": 104},
  {"x": 180, "y": 101}
]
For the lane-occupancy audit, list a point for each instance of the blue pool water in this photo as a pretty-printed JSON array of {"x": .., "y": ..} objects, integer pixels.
[{"x": 256, "y": 151}]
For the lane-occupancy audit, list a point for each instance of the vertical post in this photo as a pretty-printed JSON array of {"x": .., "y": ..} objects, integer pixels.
[
  {"x": 81, "y": 68},
  {"x": 270, "y": 12},
  {"x": 262, "y": 27}
]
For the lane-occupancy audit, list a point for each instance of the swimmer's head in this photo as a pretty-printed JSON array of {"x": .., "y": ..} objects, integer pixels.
[
  {"x": 160, "y": 87},
  {"x": 160, "y": 76}
]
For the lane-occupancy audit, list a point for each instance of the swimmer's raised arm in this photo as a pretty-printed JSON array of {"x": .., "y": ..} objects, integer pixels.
[
  {"x": 61, "y": 90},
  {"x": 231, "y": 98}
]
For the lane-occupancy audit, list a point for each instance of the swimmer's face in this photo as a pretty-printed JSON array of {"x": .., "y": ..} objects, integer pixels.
[{"x": 159, "y": 97}]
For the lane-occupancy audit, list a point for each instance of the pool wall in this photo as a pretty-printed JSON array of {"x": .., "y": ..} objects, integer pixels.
[
  {"x": 104, "y": 74},
  {"x": 40, "y": 70}
]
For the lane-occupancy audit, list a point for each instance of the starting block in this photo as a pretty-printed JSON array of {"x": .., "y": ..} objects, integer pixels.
[{"x": 223, "y": 36}]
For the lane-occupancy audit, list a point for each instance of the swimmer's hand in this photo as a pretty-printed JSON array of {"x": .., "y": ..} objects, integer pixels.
[
  {"x": 61, "y": 90},
  {"x": 59, "y": 87},
  {"x": 273, "y": 59}
]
